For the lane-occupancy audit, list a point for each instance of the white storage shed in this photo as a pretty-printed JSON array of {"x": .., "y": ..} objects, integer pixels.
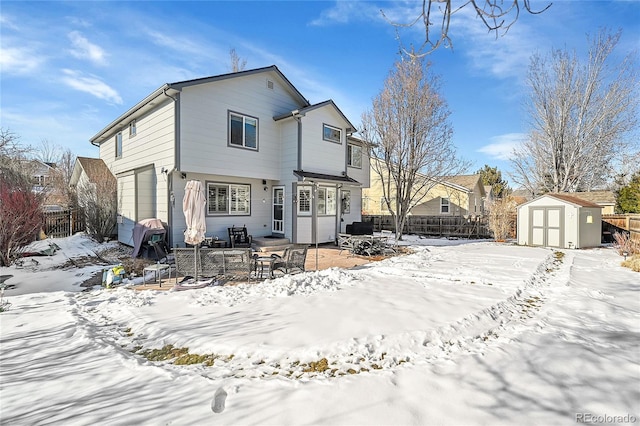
[{"x": 560, "y": 221}]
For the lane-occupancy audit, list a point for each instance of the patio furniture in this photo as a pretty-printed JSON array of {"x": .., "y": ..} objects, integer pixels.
[
  {"x": 263, "y": 264},
  {"x": 345, "y": 242},
  {"x": 157, "y": 269},
  {"x": 239, "y": 237},
  {"x": 292, "y": 259},
  {"x": 227, "y": 263},
  {"x": 187, "y": 262}
]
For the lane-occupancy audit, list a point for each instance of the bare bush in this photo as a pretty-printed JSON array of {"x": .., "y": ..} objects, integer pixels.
[
  {"x": 502, "y": 217},
  {"x": 625, "y": 244},
  {"x": 98, "y": 200}
]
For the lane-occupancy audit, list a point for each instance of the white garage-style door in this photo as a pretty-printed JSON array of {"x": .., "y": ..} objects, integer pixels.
[{"x": 546, "y": 226}]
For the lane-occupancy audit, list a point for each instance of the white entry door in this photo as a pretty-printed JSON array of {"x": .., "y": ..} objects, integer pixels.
[{"x": 277, "y": 224}]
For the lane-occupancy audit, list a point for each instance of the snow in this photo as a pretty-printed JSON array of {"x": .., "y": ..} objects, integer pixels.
[{"x": 458, "y": 332}]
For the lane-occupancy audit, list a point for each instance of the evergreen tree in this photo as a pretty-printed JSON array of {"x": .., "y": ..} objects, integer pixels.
[
  {"x": 493, "y": 177},
  {"x": 628, "y": 200}
]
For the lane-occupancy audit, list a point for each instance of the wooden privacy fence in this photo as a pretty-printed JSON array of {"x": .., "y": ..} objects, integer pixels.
[
  {"x": 64, "y": 223},
  {"x": 441, "y": 226},
  {"x": 629, "y": 222}
]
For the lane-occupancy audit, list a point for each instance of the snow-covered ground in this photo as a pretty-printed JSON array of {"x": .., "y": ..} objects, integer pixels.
[{"x": 456, "y": 333}]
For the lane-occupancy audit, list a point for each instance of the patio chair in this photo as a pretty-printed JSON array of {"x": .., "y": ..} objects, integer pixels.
[
  {"x": 292, "y": 259},
  {"x": 238, "y": 237},
  {"x": 187, "y": 262}
]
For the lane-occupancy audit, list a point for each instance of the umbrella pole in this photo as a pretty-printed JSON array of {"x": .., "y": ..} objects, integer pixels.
[{"x": 195, "y": 262}]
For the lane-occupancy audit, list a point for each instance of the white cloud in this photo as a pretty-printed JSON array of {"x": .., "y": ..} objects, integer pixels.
[
  {"x": 18, "y": 61},
  {"x": 84, "y": 49},
  {"x": 343, "y": 12},
  {"x": 92, "y": 85},
  {"x": 502, "y": 146}
]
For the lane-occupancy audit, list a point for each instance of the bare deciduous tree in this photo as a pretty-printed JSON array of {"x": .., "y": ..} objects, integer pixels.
[
  {"x": 409, "y": 137},
  {"x": 497, "y": 16},
  {"x": 237, "y": 64},
  {"x": 581, "y": 113}
]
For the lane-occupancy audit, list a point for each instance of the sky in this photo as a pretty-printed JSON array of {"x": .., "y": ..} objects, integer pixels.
[
  {"x": 457, "y": 332},
  {"x": 70, "y": 68}
]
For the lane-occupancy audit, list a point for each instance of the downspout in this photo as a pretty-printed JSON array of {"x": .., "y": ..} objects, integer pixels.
[
  {"x": 294, "y": 210},
  {"x": 176, "y": 137}
]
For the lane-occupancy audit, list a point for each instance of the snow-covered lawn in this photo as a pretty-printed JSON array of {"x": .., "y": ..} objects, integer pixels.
[{"x": 455, "y": 333}]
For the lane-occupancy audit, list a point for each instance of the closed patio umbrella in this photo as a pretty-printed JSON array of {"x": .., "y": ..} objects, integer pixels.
[{"x": 193, "y": 206}]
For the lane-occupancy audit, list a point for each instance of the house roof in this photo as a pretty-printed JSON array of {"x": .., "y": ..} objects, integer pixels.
[
  {"x": 167, "y": 91},
  {"x": 306, "y": 109},
  {"x": 94, "y": 168},
  {"x": 466, "y": 181},
  {"x": 606, "y": 198},
  {"x": 325, "y": 177}
]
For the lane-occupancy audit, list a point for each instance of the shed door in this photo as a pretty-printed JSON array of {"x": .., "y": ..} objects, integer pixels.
[{"x": 546, "y": 226}]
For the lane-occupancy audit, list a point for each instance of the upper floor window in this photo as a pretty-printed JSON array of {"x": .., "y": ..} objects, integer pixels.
[
  {"x": 354, "y": 156},
  {"x": 331, "y": 134},
  {"x": 304, "y": 200},
  {"x": 444, "y": 205},
  {"x": 119, "y": 145},
  {"x": 228, "y": 199},
  {"x": 243, "y": 131},
  {"x": 132, "y": 128}
]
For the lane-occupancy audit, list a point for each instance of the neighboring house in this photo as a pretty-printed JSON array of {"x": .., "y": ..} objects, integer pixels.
[
  {"x": 86, "y": 172},
  {"x": 267, "y": 158},
  {"x": 606, "y": 199},
  {"x": 43, "y": 179},
  {"x": 561, "y": 221},
  {"x": 454, "y": 196}
]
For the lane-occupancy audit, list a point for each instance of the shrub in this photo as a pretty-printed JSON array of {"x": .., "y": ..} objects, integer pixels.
[
  {"x": 632, "y": 263},
  {"x": 501, "y": 217},
  {"x": 21, "y": 219},
  {"x": 624, "y": 243}
]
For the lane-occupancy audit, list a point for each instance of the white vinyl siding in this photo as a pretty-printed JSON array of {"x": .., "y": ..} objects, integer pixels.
[
  {"x": 317, "y": 154},
  {"x": 204, "y": 126}
]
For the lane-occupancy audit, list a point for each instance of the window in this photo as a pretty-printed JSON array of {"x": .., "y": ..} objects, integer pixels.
[
  {"x": 326, "y": 201},
  {"x": 228, "y": 199},
  {"x": 331, "y": 134},
  {"x": 132, "y": 128},
  {"x": 354, "y": 156},
  {"x": 346, "y": 201},
  {"x": 243, "y": 131},
  {"x": 304, "y": 200},
  {"x": 119, "y": 145},
  {"x": 444, "y": 205}
]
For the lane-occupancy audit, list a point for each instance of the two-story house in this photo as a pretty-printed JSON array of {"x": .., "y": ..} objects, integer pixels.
[
  {"x": 459, "y": 195},
  {"x": 267, "y": 158}
]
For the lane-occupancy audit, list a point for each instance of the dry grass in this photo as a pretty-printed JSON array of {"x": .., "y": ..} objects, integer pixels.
[{"x": 632, "y": 263}]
